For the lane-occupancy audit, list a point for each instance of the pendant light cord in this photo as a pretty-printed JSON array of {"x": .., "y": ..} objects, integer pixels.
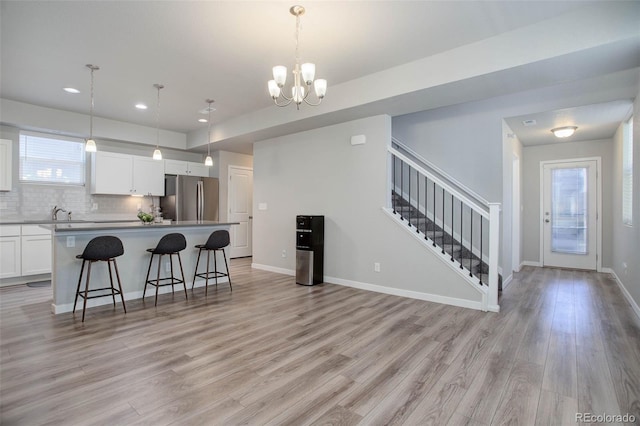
[
  {"x": 209, "y": 130},
  {"x": 158, "y": 86},
  {"x": 91, "y": 108}
]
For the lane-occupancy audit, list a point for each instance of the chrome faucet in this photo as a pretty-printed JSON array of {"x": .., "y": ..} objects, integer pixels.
[{"x": 54, "y": 212}]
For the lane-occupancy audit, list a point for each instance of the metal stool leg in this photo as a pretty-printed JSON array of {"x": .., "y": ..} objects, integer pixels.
[
  {"x": 115, "y": 266},
  {"x": 146, "y": 280},
  {"x": 172, "y": 277},
  {"x": 182, "y": 273},
  {"x": 86, "y": 290},
  {"x": 228, "y": 272},
  {"x": 206, "y": 280},
  {"x": 193, "y": 283},
  {"x": 158, "y": 279},
  {"x": 113, "y": 293},
  {"x": 215, "y": 266},
  {"x": 78, "y": 289}
]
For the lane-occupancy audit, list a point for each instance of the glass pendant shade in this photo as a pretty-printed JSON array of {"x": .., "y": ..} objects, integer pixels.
[
  {"x": 297, "y": 93},
  {"x": 280, "y": 75},
  {"x": 274, "y": 90},
  {"x": 157, "y": 155},
  {"x": 308, "y": 73},
  {"x": 90, "y": 146},
  {"x": 320, "y": 86},
  {"x": 208, "y": 161}
]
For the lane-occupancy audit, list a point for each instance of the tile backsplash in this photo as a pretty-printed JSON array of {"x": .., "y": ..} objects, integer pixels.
[{"x": 35, "y": 201}]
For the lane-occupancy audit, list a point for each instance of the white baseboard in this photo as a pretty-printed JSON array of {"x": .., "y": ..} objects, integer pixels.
[
  {"x": 530, "y": 263},
  {"x": 624, "y": 290},
  {"x": 275, "y": 269},
  {"x": 463, "y": 303},
  {"x": 151, "y": 291},
  {"x": 507, "y": 281}
]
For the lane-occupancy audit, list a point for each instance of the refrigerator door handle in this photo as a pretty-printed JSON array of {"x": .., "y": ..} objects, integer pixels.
[{"x": 200, "y": 201}]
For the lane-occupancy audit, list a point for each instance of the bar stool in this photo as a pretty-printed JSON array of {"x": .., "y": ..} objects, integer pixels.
[
  {"x": 217, "y": 241},
  {"x": 106, "y": 249},
  {"x": 169, "y": 244}
]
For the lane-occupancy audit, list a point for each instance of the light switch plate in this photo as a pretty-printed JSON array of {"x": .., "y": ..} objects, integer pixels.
[
  {"x": 71, "y": 241},
  {"x": 262, "y": 206}
]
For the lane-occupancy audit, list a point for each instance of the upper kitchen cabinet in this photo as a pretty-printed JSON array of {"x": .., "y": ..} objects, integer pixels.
[
  {"x": 5, "y": 164},
  {"x": 121, "y": 174},
  {"x": 177, "y": 167}
]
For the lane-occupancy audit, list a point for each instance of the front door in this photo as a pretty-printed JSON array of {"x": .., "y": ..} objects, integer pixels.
[
  {"x": 240, "y": 208},
  {"x": 569, "y": 214}
]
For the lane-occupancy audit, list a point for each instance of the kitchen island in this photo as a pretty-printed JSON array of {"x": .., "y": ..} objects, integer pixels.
[{"x": 70, "y": 239}]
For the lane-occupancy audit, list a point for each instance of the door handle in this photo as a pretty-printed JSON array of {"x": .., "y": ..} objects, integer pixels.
[{"x": 546, "y": 220}]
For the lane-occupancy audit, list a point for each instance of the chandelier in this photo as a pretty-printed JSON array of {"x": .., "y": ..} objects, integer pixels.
[{"x": 303, "y": 76}]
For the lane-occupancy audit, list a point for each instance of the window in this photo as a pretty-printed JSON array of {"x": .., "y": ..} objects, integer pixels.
[
  {"x": 627, "y": 173},
  {"x": 51, "y": 159}
]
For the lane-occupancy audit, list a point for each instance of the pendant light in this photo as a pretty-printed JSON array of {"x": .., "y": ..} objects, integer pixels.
[
  {"x": 209, "y": 161},
  {"x": 90, "y": 144},
  {"x": 157, "y": 155}
]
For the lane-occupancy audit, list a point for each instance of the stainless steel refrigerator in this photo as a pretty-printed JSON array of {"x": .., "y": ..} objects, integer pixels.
[{"x": 190, "y": 198}]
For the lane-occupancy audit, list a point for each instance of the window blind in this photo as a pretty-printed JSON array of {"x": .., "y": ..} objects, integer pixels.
[
  {"x": 627, "y": 174},
  {"x": 51, "y": 159}
]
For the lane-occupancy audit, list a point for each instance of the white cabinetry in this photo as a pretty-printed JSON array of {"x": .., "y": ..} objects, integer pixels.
[
  {"x": 36, "y": 250},
  {"x": 177, "y": 167},
  {"x": 121, "y": 174},
  {"x": 10, "y": 251},
  {"x": 5, "y": 164}
]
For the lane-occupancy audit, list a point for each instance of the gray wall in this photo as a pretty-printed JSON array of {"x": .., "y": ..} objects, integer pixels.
[
  {"x": 626, "y": 239},
  {"x": 531, "y": 221},
  {"x": 319, "y": 172}
]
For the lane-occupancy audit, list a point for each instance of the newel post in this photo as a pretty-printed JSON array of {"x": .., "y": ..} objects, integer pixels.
[{"x": 494, "y": 250}]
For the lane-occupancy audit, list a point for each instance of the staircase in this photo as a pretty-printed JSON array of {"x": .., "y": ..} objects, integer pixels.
[{"x": 460, "y": 227}]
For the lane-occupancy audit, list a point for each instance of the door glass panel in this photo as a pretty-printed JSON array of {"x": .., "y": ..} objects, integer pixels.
[{"x": 569, "y": 210}]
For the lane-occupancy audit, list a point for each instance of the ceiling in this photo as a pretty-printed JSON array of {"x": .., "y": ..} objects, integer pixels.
[{"x": 225, "y": 50}]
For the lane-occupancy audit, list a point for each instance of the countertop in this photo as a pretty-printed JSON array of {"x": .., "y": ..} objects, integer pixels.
[
  {"x": 95, "y": 226},
  {"x": 61, "y": 222}
]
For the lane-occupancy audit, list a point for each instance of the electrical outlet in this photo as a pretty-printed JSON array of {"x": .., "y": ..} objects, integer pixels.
[
  {"x": 71, "y": 241},
  {"x": 284, "y": 253},
  {"x": 376, "y": 267},
  {"x": 94, "y": 206},
  {"x": 167, "y": 266}
]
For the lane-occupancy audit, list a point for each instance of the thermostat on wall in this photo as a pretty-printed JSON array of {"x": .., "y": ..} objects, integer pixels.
[{"x": 358, "y": 140}]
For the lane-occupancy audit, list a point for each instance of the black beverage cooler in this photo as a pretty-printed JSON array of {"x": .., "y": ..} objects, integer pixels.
[{"x": 309, "y": 250}]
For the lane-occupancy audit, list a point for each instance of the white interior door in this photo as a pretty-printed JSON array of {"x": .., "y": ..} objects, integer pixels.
[
  {"x": 240, "y": 210},
  {"x": 569, "y": 214}
]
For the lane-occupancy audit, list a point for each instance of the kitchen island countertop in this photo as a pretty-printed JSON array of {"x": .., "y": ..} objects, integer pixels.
[{"x": 166, "y": 225}]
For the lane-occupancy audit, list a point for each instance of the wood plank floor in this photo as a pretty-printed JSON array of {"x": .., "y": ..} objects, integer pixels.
[{"x": 275, "y": 353}]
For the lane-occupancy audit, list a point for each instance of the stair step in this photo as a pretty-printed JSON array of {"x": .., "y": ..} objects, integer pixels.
[
  {"x": 456, "y": 248},
  {"x": 467, "y": 263}
]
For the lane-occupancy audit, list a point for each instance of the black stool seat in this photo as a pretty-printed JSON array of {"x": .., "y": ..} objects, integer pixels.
[
  {"x": 169, "y": 244},
  {"x": 105, "y": 248},
  {"x": 217, "y": 241}
]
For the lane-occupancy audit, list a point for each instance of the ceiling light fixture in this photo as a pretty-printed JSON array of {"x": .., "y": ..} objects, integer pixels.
[
  {"x": 71, "y": 90},
  {"x": 303, "y": 75},
  {"x": 564, "y": 132},
  {"x": 90, "y": 144},
  {"x": 209, "y": 161},
  {"x": 157, "y": 155},
  {"x": 141, "y": 106}
]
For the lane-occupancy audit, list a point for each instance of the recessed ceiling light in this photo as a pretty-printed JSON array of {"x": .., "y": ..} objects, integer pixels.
[
  {"x": 71, "y": 90},
  {"x": 141, "y": 106},
  {"x": 202, "y": 120}
]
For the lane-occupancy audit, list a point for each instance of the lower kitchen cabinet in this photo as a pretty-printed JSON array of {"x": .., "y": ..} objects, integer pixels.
[
  {"x": 35, "y": 250},
  {"x": 10, "y": 252}
]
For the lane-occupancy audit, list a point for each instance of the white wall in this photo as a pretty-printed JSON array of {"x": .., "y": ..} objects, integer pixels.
[
  {"x": 318, "y": 172},
  {"x": 626, "y": 240},
  {"x": 511, "y": 148},
  {"x": 531, "y": 221}
]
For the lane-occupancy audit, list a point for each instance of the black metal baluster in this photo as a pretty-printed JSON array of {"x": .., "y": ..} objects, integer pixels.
[
  {"x": 393, "y": 190},
  {"x": 481, "y": 241},
  {"x": 471, "y": 245},
  {"x": 417, "y": 202},
  {"x": 452, "y": 222},
  {"x": 426, "y": 205},
  {"x": 401, "y": 186},
  {"x": 461, "y": 240},
  {"x": 409, "y": 197},
  {"x": 443, "y": 252},
  {"x": 434, "y": 214}
]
